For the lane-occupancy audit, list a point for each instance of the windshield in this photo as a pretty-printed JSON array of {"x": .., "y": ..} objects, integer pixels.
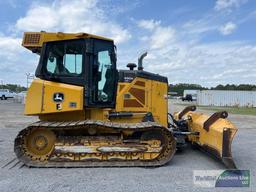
[{"x": 64, "y": 58}]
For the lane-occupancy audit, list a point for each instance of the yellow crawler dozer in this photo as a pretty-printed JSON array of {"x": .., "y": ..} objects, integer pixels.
[{"x": 93, "y": 115}]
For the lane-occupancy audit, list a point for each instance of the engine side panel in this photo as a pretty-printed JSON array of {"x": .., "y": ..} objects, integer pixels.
[
  {"x": 34, "y": 98},
  {"x": 142, "y": 96},
  {"x": 45, "y": 97}
]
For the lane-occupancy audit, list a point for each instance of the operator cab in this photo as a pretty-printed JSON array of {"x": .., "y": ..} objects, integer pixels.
[{"x": 90, "y": 63}]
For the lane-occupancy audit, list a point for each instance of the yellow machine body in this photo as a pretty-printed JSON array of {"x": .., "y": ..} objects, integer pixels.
[
  {"x": 140, "y": 97},
  {"x": 134, "y": 131}
]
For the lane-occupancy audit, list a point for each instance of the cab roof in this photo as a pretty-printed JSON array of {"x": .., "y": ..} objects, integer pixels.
[{"x": 34, "y": 40}]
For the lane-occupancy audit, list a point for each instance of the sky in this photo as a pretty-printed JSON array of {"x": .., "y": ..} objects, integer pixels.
[{"x": 206, "y": 42}]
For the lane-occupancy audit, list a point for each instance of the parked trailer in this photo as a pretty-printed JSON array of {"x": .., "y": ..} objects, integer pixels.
[{"x": 226, "y": 98}]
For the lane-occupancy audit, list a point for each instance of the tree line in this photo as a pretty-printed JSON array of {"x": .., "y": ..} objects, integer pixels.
[
  {"x": 13, "y": 87},
  {"x": 179, "y": 88}
]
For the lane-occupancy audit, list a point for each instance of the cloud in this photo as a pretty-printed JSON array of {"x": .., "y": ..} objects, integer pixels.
[
  {"x": 184, "y": 59},
  {"x": 199, "y": 26},
  {"x": 60, "y": 15},
  {"x": 160, "y": 37},
  {"x": 9, "y": 46},
  {"x": 66, "y": 16},
  {"x": 207, "y": 64},
  {"x": 148, "y": 24},
  {"x": 15, "y": 60},
  {"x": 72, "y": 16},
  {"x": 228, "y": 28},
  {"x": 228, "y": 4}
]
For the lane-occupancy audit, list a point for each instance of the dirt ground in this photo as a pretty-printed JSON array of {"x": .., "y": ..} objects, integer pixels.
[{"x": 177, "y": 175}]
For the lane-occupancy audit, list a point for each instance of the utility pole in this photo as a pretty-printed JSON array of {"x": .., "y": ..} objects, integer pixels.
[
  {"x": 2, "y": 83},
  {"x": 29, "y": 76}
]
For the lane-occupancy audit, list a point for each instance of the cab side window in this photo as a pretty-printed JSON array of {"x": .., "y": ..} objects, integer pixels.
[
  {"x": 65, "y": 58},
  {"x": 73, "y": 63}
]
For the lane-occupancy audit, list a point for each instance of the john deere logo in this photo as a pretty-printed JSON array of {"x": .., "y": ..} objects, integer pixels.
[{"x": 58, "y": 97}]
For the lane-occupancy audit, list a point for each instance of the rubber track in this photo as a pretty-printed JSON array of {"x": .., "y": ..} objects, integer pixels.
[{"x": 166, "y": 155}]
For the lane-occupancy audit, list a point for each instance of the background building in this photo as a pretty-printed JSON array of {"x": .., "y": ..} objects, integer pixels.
[{"x": 226, "y": 98}]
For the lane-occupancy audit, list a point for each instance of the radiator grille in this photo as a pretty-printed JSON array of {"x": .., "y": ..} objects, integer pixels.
[{"x": 32, "y": 39}]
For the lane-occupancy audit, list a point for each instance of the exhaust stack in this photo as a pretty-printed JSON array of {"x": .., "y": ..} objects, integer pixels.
[{"x": 140, "y": 59}]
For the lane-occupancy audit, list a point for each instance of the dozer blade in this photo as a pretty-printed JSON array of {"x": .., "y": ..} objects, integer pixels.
[{"x": 215, "y": 133}]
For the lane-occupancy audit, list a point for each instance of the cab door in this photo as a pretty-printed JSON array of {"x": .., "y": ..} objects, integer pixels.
[{"x": 103, "y": 75}]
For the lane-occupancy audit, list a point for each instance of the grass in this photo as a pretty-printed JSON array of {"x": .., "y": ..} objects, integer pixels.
[{"x": 231, "y": 110}]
